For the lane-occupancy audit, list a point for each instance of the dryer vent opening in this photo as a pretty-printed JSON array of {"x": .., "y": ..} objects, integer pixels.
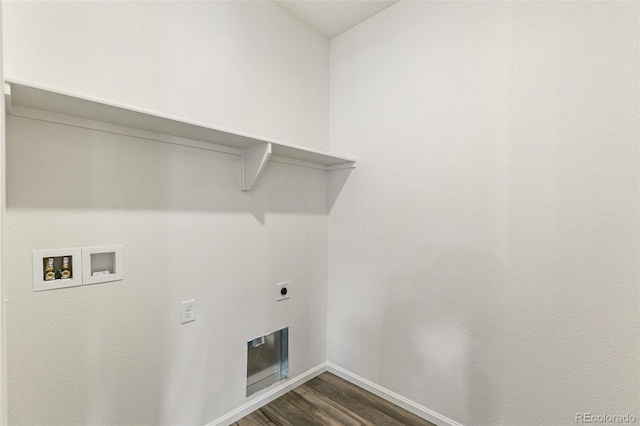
[{"x": 267, "y": 360}]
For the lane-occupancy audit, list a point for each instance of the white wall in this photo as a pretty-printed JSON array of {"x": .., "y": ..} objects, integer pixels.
[
  {"x": 3, "y": 360},
  {"x": 243, "y": 65},
  {"x": 116, "y": 353},
  {"x": 484, "y": 255}
]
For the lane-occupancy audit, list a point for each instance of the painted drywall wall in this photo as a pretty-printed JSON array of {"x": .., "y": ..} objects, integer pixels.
[
  {"x": 3, "y": 363},
  {"x": 484, "y": 255},
  {"x": 247, "y": 66},
  {"x": 116, "y": 353}
]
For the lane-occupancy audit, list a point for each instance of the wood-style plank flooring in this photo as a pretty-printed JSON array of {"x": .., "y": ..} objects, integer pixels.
[{"x": 328, "y": 400}]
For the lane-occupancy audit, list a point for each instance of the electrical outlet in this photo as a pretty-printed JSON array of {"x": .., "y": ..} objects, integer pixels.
[
  {"x": 188, "y": 310},
  {"x": 283, "y": 291}
]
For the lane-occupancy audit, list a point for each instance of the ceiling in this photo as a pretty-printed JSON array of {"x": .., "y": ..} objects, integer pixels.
[{"x": 333, "y": 17}]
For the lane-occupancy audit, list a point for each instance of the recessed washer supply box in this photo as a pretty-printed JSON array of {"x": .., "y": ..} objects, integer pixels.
[
  {"x": 53, "y": 261},
  {"x": 102, "y": 264}
]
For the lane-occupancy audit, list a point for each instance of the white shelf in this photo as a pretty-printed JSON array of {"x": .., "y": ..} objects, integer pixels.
[{"x": 255, "y": 152}]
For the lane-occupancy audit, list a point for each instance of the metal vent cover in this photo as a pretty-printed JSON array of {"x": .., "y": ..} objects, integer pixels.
[{"x": 267, "y": 360}]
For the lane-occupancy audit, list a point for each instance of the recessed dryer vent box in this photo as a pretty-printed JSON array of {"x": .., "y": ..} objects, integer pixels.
[
  {"x": 267, "y": 360},
  {"x": 102, "y": 264},
  {"x": 58, "y": 268}
]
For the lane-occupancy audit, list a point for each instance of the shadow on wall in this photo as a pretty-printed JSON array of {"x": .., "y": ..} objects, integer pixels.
[
  {"x": 337, "y": 180},
  {"x": 117, "y": 351},
  {"x": 124, "y": 172},
  {"x": 426, "y": 343}
]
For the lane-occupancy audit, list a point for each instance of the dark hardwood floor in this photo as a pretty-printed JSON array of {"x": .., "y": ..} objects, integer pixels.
[{"x": 328, "y": 400}]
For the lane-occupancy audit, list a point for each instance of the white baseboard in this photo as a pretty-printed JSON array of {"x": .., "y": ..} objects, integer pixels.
[
  {"x": 272, "y": 394},
  {"x": 386, "y": 394},
  {"x": 392, "y": 397}
]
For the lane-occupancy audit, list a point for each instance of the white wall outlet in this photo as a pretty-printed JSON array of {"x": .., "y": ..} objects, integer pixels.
[
  {"x": 283, "y": 291},
  {"x": 188, "y": 310}
]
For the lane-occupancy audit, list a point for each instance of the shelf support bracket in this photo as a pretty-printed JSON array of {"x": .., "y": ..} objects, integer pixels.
[{"x": 253, "y": 161}]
